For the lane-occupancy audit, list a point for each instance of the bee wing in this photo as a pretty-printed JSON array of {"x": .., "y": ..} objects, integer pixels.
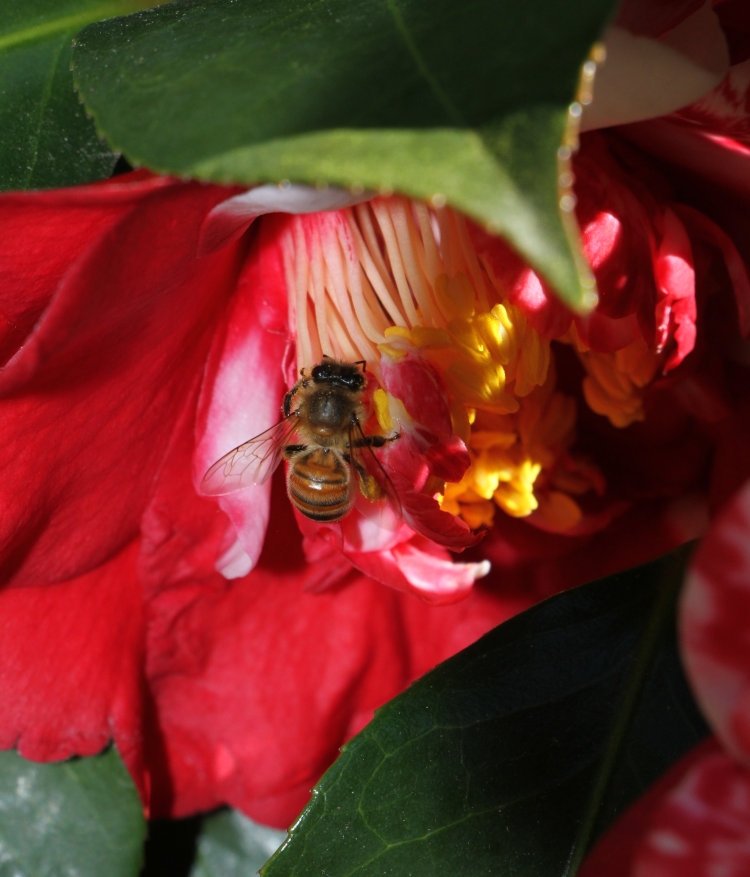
[
  {"x": 374, "y": 480},
  {"x": 251, "y": 462}
]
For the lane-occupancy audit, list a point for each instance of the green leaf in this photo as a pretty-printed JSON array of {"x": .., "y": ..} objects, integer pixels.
[
  {"x": 513, "y": 756},
  {"x": 47, "y": 138},
  {"x": 79, "y": 818},
  {"x": 465, "y": 102},
  {"x": 231, "y": 845}
]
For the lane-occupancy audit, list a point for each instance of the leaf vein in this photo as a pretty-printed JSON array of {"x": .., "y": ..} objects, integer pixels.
[{"x": 403, "y": 31}]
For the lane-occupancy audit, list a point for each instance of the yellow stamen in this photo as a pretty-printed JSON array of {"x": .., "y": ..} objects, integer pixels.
[
  {"x": 615, "y": 382},
  {"x": 382, "y": 410},
  {"x": 390, "y": 277}
]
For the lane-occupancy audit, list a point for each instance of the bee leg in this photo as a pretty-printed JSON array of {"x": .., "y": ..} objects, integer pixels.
[
  {"x": 374, "y": 441},
  {"x": 290, "y": 450},
  {"x": 368, "y": 484},
  {"x": 289, "y": 398}
]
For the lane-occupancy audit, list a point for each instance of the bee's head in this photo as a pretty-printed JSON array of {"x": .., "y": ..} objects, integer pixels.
[{"x": 350, "y": 376}]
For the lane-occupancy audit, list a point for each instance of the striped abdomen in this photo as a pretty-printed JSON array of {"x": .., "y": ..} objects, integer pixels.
[{"x": 319, "y": 484}]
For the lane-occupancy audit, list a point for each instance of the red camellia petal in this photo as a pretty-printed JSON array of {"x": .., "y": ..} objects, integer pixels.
[
  {"x": 646, "y": 17},
  {"x": 257, "y": 683},
  {"x": 105, "y": 349},
  {"x": 213, "y": 690},
  {"x": 637, "y": 246},
  {"x": 736, "y": 25},
  {"x": 72, "y": 660},
  {"x": 262, "y": 684}
]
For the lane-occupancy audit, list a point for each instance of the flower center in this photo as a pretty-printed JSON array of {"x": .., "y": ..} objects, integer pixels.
[{"x": 391, "y": 278}]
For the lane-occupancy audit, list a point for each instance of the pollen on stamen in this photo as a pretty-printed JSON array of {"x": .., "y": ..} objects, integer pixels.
[
  {"x": 389, "y": 278},
  {"x": 615, "y": 383}
]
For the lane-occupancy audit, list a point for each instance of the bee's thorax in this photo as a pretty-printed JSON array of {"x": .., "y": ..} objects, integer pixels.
[{"x": 327, "y": 413}]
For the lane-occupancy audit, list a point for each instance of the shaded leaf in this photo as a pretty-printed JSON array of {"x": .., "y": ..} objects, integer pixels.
[
  {"x": 513, "y": 756},
  {"x": 464, "y": 102},
  {"x": 47, "y": 138},
  {"x": 81, "y": 818},
  {"x": 170, "y": 847},
  {"x": 231, "y": 845}
]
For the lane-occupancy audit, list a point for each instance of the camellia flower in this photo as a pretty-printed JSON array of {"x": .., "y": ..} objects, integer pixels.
[
  {"x": 151, "y": 325},
  {"x": 121, "y": 618},
  {"x": 464, "y": 368}
]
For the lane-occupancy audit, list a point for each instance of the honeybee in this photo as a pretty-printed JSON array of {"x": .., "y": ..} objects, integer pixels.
[{"x": 321, "y": 437}]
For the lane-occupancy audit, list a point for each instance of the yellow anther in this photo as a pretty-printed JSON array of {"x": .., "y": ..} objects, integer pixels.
[
  {"x": 390, "y": 278},
  {"x": 615, "y": 382},
  {"x": 382, "y": 410},
  {"x": 558, "y": 512}
]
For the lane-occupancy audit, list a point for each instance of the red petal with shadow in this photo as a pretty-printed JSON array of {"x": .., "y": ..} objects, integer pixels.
[{"x": 90, "y": 397}]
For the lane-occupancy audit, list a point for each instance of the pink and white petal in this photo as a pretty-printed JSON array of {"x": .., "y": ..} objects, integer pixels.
[
  {"x": 373, "y": 527},
  {"x": 419, "y": 566},
  {"x": 723, "y": 112},
  {"x": 242, "y": 395},
  {"x": 230, "y": 219},
  {"x": 715, "y": 158},
  {"x": 691, "y": 823},
  {"x": 688, "y": 61},
  {"x": 702, "y": 827},
  {"x": 715, "y": 634},
  {"x": 389, "y": 552}
]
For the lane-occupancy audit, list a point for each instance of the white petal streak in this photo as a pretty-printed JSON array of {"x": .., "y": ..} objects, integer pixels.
[
  {"x": 228, "y": 220},
  {"x": 700, "y": 829},
  {"x": 235, "y": 562},
  {"x": 643, "y": 78}
]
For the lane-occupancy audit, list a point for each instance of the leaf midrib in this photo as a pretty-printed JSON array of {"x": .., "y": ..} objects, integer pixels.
[
  {"x": 661, "y": 614},
  {"x": 65, "y": 24}
]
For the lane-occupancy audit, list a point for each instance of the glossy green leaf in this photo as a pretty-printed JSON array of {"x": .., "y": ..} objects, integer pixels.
[
  {"x": 47, "y": 138},
  {"x": 465, "y": 102},
  {"x": 512, "y": 757},
  {"x": 231, "y": 845},
  {"x": 81, "y": 818}
]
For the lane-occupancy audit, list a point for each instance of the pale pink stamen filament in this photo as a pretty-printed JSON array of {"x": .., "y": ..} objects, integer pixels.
[{"x": 371, "y": 266}]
